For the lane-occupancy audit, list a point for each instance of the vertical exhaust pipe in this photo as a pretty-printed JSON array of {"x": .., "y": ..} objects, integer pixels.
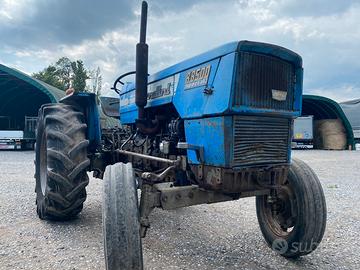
[{"x": 141, "y": 79}]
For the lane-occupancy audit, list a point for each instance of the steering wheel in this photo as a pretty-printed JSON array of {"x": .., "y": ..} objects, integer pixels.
[{"x": 118, "y": 80}]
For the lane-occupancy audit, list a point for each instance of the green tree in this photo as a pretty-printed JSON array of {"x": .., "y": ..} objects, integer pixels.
[
  {"x": 80, "y": 75},
  {"x": 50, "y": 75},
  {"x": 63, "y": 66},
  {"x": 65, "y": 73}
]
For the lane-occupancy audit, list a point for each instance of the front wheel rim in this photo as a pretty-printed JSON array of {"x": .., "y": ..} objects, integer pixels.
[{"x": 282, "y": 222}]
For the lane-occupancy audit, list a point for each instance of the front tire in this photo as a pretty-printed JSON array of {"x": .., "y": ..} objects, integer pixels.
[
  {"x": 295, "y": 225},
  {"x": 61, "y": 162},
  {"x": 121, "y": 225}
]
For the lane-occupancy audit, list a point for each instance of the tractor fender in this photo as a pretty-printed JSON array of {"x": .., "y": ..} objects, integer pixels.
[{"x": 86, "y": 102}]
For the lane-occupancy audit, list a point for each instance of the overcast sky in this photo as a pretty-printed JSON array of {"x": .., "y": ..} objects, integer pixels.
[{"x": 326, "y": 33}]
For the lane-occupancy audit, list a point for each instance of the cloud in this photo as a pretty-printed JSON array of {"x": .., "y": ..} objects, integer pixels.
[
  {"x": 324, "y": 33},
  {"x": 50, "y": 22},
  {"x": 163, "y": 8},
  {"x": 12, "y": 11},
  {"x": 328, "y": 45},
  {"x": 313, "y": 8},
  {"x": 340, "y": 93}
]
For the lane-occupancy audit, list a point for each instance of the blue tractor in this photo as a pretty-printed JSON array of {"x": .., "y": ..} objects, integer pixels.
[{"x": 213, "y": 128}]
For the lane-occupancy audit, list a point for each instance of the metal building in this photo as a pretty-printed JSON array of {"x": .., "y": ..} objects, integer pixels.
[
  {"x": 322, "y": 108},
  {"x": 352, "y": 110},
  {"x": 22, "y": 95},
  {"x": 20, "y": 99}
]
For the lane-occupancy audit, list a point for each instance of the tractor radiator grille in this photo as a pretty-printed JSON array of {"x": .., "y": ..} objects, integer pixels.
[
  {"x": 260, "y": 140},
  {"x": 258, "y": 75}
]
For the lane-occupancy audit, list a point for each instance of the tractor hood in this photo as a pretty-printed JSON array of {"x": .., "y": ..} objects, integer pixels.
[{"x": 207, "y": 83}]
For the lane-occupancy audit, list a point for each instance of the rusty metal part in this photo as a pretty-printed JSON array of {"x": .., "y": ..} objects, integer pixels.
[
  {"x": 240, "y": 180},
  {"x": 281, "y": 211},
  {"x": 153, "y": 177},
  {"x": 198, "y": 149},
  {"x": 260, "y": 141},
  {"x": 167, "y": 196},
  {"x": 150, "y": 198},
  {"x": 172, "y": 197},
  {"x": 158, "y": 159}
]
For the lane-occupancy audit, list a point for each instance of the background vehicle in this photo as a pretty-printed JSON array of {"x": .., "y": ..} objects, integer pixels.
[
  {"x": 213, "y": 128},
  {"x": 352, "y": 110},
  {"x": 12, "y": 138},
  {"x": 303, "y": 130}
]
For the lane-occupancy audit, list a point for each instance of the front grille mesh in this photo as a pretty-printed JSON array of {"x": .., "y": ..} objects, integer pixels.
[
  {"x": 260, "y": 140},
  {"x": 258, "y": 75}
]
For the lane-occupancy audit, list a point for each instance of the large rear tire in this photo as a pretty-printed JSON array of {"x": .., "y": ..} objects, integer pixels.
[
  {"x": 61, "y": 162},
  {"x": 121, "y": 225},
  {"x": 295, "y": 225}
]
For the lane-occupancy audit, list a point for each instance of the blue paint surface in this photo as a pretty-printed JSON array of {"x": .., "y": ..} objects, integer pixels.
[
  {"x": 213, "y": 134},
  {"x": 208, "y": 116},
  {"x": 193, "y": 103}
]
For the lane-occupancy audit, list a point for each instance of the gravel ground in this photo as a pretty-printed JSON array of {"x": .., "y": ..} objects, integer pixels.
[{"x": 218, "y": 236}]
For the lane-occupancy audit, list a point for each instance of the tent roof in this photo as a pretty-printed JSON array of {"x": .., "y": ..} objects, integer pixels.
[
  {"x": 12, "y": 80},
  {"x": 326, "y": 108}
]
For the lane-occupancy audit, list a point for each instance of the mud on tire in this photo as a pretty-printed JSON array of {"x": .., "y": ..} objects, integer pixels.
[{"x": 61, "y": 162}]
